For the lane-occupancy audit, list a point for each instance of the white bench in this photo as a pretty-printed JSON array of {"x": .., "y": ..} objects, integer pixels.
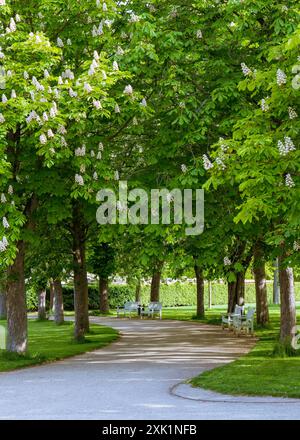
[
  {"x": 128, "y": 308},
  {"x": 152, "y": 309},
  {"x": 246, "y": 323},
  {"x": 228, "y": 319}
]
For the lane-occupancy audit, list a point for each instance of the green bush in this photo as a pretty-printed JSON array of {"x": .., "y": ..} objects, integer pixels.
[
  {"x": 174, "y": 295},
  {"x": 117, "y": 296}
]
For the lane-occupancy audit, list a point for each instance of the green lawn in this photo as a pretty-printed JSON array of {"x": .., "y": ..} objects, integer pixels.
[
  {"x": 259, "y": 372},
  {"x": 49, "y": 342}
]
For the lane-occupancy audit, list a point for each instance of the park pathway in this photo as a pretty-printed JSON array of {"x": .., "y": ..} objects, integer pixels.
[{"x": 137, "y": 377}]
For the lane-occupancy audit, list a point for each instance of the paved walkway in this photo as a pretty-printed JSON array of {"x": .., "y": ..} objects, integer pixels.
[{"x": 138, "y": 377}]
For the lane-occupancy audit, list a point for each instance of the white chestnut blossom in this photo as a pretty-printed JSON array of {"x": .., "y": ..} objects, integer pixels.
[
  {"x": 286, "y": 147},
  {"x": 92, "y": 153},
  {"x": 100, "y": 146},
  {"x": 206, "y": 162},
  {"x": 245, "y": 69},
  {"x": 4, "y": 99},
  {"x": 95, "y": 176},
  {"x": 72, "y": 93},
  {"x": 63, "y": 142},
  {"x": 61, "y": 130},
  {"x": 43, "y": 139},
  {"x": 59, "y": 42},
  {"x": 87, "y": 87},
  {"x": 2, "y": 118},
  {"x": 3, "y": 245},
  {"x": 115, "y": 66},
  {"x": 144, "y": 102},
  {"x": 3, "y": 198},
  {"x": 292, "y": 113},
  {"x": 69, "y": 42},
  {"x": 12, "y": 25},
  {"x": 79, "y": 179},
  {"x": 104, "y": 7},
  {"x": 80, "y": 152},
  {"x": 116, "y": 175},
  {"x": 2, "y": 3},
  {"x": 199, "y": 34},
  {"x": 281, "y": 77},
  {"x": 96, "y": 55},
  {"x": 183, "y": 168},
  {"x": 296, "y": 246},
  {"x": 128, "y": 90},
  {"x": 134, "y": 18},
  {"x": 221, "y": 165},
  {"x": 120, "y": 51},
  {"x": 99, "y": 155},
  {"x": 45, "y": 117},
  {"x": 117, "y": 109},
  {"x": 50, "y": 133},
  {"x": 264, "y": 106},
  {"x": 227, "y": 261},
  {"x": 5, "y": 223},
  {"x": 289, "y": 181},
  {"x": 10, "y": 190},
  {"x": 97, "y": 104}
]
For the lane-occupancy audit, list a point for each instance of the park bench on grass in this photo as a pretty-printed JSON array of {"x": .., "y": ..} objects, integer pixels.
[
  {"x": 154, "y": 308},
  {"x": 227, "y": 320},
  {"x": 128, "y": 308},
  {"x": 244, "y": 322}
]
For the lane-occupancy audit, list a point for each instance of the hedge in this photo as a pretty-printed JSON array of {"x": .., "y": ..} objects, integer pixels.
[{"x": 177, "y": 294}]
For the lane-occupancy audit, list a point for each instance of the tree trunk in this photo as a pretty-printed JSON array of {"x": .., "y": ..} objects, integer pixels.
[
  {"x": 42, "y": 304},
  {"x": 138, "y": 291},
  {"x": 58, "y": 303},
  {"x": 259, "y": 270},
  {"x": 80, "y": 275},
  {"x": 287, "y": 302},
  {"x": 209, "y": 295},
  {"x": 236, "y": 292},
  {"x": 51, "y": 297},
  {"x": 103, "y": 293},
  {"x": 155, "y": 286},
  {"x": 3, "y": 309},
  {"x": 16, "y": 304},
  {"x": 276, "y": 287},
  {"x": 200, "y": 291}
]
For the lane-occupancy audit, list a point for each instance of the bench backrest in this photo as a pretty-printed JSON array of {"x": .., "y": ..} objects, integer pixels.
[
  {"x": 250, "y": 313},
  {"x": 156, "y": 306},
  {"x": 131, "y": 305},
  {"x": 238, "y": 310}
]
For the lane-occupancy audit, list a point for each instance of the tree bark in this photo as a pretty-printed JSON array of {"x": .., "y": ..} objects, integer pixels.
[
  {"x": 3, "y": 309},
  {"x": 259, "y": 270},
  {"x": 80, "y": 275},
  {"x": 236, "y": 291},
  {"x": 287, "y": 302},
  {"x": 16, "y": 304},
  {"x": 155, "y": 286},
  {"x": 103, "y": 293},
  {"x": 276, "y": 287},
  {"x": 42, "y": 304},
  {"x": 138, "y": 291},
  {"x": 51, "y": 296},
  {"x": 200, "y": 291},
  {"x": 58, "y": 303}
]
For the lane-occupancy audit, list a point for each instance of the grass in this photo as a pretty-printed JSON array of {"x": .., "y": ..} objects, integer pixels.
[
  {"x": 260, "y": 372},
  {"x": 49, "y": 342}
]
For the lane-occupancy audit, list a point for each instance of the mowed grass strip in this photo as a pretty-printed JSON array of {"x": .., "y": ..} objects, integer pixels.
[{"x": 49, "y": 342}]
